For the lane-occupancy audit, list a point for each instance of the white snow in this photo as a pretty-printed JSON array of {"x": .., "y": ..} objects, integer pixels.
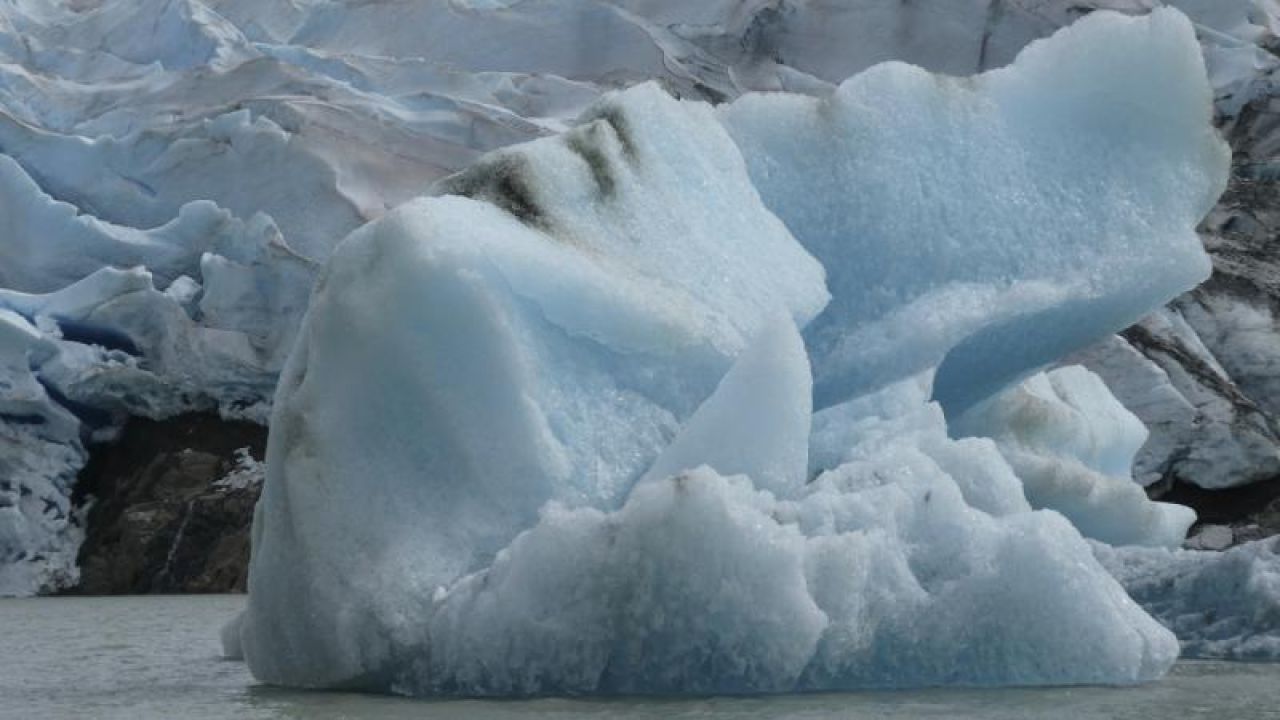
[
  {"x": 1211, "y": 537},
  {"x": 247, "y": 473}
]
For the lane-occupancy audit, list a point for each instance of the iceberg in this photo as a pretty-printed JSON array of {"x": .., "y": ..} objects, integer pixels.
[
  {"x": 552, "y": 429},
  {"x": 566, "y": 318}
]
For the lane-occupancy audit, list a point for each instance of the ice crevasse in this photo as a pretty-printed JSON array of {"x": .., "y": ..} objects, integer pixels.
[{"x": 694, "y": 399}]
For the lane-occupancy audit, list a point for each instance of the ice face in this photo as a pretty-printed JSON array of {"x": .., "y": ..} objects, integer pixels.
[
  {"x": 1072, "y": 444},
  {"x": 1200, "y": 432},
  {"x": 110, "y": 344},
  {"x": 985, "y": 225},
  {"x": 547, "y": 431},
  {"x": 40, "y": 453}
]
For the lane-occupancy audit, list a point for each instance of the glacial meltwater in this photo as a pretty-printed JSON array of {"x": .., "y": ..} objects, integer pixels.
[{"x": 158, "y": 657}]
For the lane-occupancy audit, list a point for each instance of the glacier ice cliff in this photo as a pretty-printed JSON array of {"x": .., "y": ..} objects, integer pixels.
[
  {"x": 504, "y": 458},
  {"x": 930, "y": 239},
  {"x": 1073, "y": 444}
]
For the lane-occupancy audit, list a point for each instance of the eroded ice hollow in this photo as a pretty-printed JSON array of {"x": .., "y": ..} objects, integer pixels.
[{"x": 551, "y": 430}]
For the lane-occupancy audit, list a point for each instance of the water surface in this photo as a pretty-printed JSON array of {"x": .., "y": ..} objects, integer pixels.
[{"x": 144, "y": 658}]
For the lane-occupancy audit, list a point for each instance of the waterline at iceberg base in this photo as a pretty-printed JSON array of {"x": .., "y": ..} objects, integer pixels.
[{"x": 746, "y": 399}]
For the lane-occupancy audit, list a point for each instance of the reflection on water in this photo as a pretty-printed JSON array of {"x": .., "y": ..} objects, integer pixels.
[{"x": 157, "y": 657}]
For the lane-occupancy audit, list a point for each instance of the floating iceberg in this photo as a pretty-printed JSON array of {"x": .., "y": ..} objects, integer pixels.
[{"x": 551, "y": 430}]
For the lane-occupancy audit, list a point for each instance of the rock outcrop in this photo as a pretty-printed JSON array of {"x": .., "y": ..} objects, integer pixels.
[{"x": 170, "y": 506}]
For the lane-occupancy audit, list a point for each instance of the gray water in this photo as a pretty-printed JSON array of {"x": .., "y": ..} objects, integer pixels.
[{"x": 157, "y": 657}]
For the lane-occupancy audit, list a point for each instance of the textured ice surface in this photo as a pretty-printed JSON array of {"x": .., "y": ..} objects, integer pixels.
[
  {"x": 984, "y": 224},
  {"x": 695, "y": 585},
  {"x": 532, "y": 477},
  {"x": 1220, "y": 604},
  {"x": 1072, "y": 444},
  {"x": 226, "y": 145}
]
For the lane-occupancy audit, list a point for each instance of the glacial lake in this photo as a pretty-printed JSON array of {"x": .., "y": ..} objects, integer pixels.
[{"x": 139, "y": 658}]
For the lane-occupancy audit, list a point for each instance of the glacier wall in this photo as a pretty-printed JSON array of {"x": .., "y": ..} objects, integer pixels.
[{"x": 509, "y": 450}]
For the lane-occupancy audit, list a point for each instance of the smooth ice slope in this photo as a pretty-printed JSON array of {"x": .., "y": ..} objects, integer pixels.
[
  {"x": 451, "y": 503},
  {"x": 757, "y": 421},
  {"x": 992, "y": 224}
]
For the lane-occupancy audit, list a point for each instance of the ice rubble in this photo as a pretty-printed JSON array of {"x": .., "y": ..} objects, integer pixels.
[
  {"x": 1221, "y": 604},
  {"x": 526, "y": 482}
]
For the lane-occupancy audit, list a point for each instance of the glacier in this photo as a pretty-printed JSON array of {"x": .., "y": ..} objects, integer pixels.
[
  {"x": 703, "y": 400},
  {"x": 1073, "y": 445}
]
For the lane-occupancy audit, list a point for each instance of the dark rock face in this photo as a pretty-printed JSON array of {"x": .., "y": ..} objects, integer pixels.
[
  {"x": 1236, "y": 315},
  {"x": 171, "y": 505},
  {"x": 1204, "y": 372},
  {"x": 1250, "y": 512}
]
